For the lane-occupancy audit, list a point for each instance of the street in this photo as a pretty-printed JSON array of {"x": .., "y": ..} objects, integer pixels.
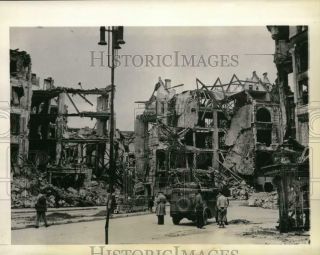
[{"x": 248, "y": 225}]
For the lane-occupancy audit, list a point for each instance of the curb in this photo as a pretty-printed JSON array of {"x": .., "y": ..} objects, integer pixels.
[
  {"x": 62, "y": 209},
  {"x": 86, "y": 219}
]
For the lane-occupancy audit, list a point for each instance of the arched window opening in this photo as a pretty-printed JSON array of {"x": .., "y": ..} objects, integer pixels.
[{"x": 263, "y": 115}]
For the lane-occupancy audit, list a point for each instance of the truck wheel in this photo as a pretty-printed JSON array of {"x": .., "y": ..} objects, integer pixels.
[
  {"x": 183, "y": 204},
  {"x": 176, "y": 220},
  {"x": 205, "y": 218}
]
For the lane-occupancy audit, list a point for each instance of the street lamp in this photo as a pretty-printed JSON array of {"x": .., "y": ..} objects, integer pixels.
[{"x": 115, "y": 35}]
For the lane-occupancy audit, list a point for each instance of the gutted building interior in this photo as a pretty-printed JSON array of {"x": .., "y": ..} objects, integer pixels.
[
  {"x": 225, "y": 127},
  {"x": 43, "y": 143}
]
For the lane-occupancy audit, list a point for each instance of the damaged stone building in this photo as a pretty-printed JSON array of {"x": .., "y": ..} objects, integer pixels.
[
  {"x": 290, "y": 164},
  {"x": 231, "y": 127},
  {"x": 41, "y": 139}
]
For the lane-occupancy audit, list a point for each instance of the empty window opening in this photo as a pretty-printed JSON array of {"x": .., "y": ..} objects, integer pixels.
[
  {"x": 162, "y": 107},
  {"x": 303, "y": 58},
  {"x": 204, "y": 140},
  {"x": 304, "y": 91},
  {"x": 221, "y": 139},
  {"x": 264, "y": 136},
  {"x": 188, "y": 139},
  {"x": 263, "y": 115},
  {"x": 204, "y": 160},
  {"x": 14, "y": 148},
  {"x": 205, "y": 119},
  {"x": 268, "y": 187},
  {"x": 161, "y": 160},
  {"x": 13, "y": 67},
  {"x": 177, "y": 160},
  {"x": 263, "y": 159},
  {"x": 16, "y": 94},
  {"x": 222, "y": 121},
  {"x": 14, "y": 123}
]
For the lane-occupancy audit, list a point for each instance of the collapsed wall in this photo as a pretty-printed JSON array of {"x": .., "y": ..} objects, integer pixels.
[
  {"x": 187, "y": 110},
  {"x": 240, "y": 138},
  {"x": 140, "y": 129}
]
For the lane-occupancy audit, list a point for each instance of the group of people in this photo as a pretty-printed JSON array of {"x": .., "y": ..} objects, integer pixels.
[
  {"x": 160, "y": 202},
  {"x": 222, "y": 205}
]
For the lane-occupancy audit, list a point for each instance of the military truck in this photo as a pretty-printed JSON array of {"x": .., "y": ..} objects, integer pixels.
[{"x": 182, "y": 204}]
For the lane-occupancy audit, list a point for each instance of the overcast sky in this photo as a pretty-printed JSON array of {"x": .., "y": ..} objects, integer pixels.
[{"x": 65, "y": 55}]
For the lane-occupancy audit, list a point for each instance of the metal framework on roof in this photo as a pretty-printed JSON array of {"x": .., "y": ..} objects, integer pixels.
[{"x": 221, "y": 95}]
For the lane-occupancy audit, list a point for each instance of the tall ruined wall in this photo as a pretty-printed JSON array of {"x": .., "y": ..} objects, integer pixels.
[
  {"x": 241, "y": 156},
  {"x": 102, "y": 106},
  {"x": 303, "y": 136},
  {"x": 187, "y": 110},
  {"x": 241, "y": 120},
  {"x": 241, "y": 139},
  {"x": 140, "y": 129}
]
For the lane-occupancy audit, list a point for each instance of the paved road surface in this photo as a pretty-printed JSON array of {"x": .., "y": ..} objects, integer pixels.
[{"x": 143, "y": 229}]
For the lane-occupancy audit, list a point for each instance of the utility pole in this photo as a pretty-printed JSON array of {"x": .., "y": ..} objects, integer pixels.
[{"x": 116, "y": 36}]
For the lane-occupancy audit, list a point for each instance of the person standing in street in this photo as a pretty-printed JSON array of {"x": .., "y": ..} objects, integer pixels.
[
  {"x": 199, "y": 205},
  {"x": 109, "y": 202},
  {"x": 161, "y": 208},
  {"x": 41, "y": 208},
  {"x": 222, "y": 205}
]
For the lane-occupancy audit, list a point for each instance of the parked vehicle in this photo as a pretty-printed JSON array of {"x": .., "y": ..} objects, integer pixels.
[{"x": 182, "y": 204}]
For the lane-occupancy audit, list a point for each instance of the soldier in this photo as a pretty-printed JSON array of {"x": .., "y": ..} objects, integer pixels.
[
  {"x": 109, "y": 201},
  {"x": 222, "y": 205},
  {"x": 41, "y": 208},
  {"x": 199, "y": 209}
]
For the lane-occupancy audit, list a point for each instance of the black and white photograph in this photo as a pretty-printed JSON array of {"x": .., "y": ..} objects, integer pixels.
[{"x": 159, "y": 135}]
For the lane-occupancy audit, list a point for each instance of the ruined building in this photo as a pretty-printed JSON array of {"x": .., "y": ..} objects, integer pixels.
[
  {"x": 290, "y": 164},
  {"x": 229, "y": 127},
  {"x": 42, "y": 140},
  {"x": 21, "y": 82}
]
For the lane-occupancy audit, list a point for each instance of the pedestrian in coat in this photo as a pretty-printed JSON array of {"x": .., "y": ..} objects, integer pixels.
[
  {"x": 161, "y": 208},
  {"x": 199, "y": 205},
  {"x": 41, "y": 208},
  {"x": 222, "y": 205}
]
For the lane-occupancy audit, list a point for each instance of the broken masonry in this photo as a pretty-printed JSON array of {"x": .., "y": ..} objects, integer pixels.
[
  {"x": 43, "y": 143},
  {"x": 232, "y": 128}
]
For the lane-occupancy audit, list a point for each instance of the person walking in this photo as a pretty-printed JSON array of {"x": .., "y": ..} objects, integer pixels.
[
  {"x": 41, "y": 208},
  {"x": 161, "y": 208},
  {"x": 222, "y": 205},
  {"x": 199, "y": 205}
]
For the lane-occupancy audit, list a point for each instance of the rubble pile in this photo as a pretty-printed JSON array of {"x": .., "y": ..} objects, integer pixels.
[
  {"x": 264, "y": 200},
  {"x": 24, "y": 192},
  {"x": 237, "y": 190},
  {"x": 241, "y": 191}
]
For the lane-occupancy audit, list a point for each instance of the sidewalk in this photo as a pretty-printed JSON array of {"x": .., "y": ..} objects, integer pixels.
[{"x": 25, "y": 218}]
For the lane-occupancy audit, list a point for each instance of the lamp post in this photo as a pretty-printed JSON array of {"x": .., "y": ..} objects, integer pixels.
[{"x": 115, "y": 35}]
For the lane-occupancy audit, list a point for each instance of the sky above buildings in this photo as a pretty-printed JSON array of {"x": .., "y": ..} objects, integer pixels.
[{"x": 65, "y": 54}]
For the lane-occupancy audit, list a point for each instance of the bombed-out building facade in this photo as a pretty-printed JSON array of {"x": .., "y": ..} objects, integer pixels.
[
  {"x": 290, "y": 165},
  {"x": 232, "y": 127},
  {"x": 41, "y": 139}
]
